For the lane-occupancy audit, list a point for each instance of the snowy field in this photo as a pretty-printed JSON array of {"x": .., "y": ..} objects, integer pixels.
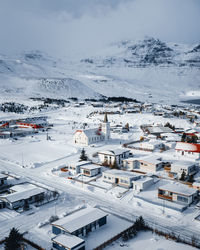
[{"x": 148, "y": 241}]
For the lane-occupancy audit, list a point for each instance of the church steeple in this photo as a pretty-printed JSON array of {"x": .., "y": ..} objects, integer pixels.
[
  {"x": 105, "y": 127},
  {"x": 105, "y": 118}
]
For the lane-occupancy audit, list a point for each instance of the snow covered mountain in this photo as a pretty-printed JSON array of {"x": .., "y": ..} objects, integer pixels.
[{"x": 148, "y": 69}]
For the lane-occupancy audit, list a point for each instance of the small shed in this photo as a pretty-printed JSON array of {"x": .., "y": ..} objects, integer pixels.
[
  {"x": 90, "y": 170},
  {"x": 143, "y": 183},
  {"x": 69, "y": 242}
]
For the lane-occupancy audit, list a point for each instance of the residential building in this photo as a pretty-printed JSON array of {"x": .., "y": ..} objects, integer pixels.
[
  {"x": 143, "y": 183},
  {"x": 151, "y": 145},
  {"x": 90, "y": 170},
  {"x": 178, "y": 193},
  {"x": 80, "y": 223},
  {"x": 190, "y": 150},
  {"x": 120, "y": 177},
  {"x": 74, "y": 167},
  {"x": 158, "y": 130},
  {"x": 22, "y": 195},
  {"x": 150, "y": 164},
  {"x": 190, "y": 168},
  {"x": 115, "y": 156}
]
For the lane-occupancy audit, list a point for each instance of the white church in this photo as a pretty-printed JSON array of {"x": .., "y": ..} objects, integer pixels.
[{"x": 86, "y": 137}]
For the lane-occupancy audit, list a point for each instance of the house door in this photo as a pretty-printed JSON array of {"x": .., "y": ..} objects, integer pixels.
[{"x": 116, "y": 180}]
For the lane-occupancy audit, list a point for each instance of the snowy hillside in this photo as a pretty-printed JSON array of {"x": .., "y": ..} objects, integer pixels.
[{"x": 148, "y": 69}]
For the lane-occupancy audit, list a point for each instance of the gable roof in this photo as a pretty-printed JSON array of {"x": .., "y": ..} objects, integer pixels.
[
  {"x": 189, "y": 147},
  {"x": 90, "y": 132},
  {"x": 80, "y": 219}
]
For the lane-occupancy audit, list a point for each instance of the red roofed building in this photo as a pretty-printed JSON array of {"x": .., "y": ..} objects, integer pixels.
[{"x": 191, "y": 150}]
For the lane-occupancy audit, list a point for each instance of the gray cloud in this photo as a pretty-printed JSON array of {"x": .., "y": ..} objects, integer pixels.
[{"x": 74, "y": 26}]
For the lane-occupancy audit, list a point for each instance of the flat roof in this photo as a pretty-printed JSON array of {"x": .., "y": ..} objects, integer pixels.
[
  {"x": 143, "y": 180},
  {"x": 184, "y": 163},
  {"x": 152, "y": 159},
  {"x": 68, "y": 240},
  {"x": 80, "y": 219},
  {"x": 178, "y": 188},
  {"x": 121, "y": 173},
  {"x": 90, "y": 166}
]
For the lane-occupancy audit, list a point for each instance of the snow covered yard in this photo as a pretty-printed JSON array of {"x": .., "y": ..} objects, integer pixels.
[{"x": 148, "y": 241}]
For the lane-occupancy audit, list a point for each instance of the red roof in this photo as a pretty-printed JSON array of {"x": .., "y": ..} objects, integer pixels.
[{"x": 188, "y": 147}]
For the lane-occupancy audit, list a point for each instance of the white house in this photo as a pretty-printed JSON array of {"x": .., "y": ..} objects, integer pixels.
[
  {"x": 90, "y": 170},
  {"x": 190, "y": 168},
  {"x": 151, "y": 145},
  {"x": 190, "y": 150},
  {"x": 74, "y": 167},
  {"x": 178, "y": 193},
  {"x": 143, "y": 183},
  {"x": 109, "y": 157},
  {"x": 86, "y": 137},
  {"x": 120, "y": 177},
  {"x": 150, "y": 164},
  {"x": 130, "y": 163},
  {"x": 147, "y": 163}
]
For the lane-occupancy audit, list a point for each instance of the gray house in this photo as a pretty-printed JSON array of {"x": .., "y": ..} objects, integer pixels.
[
  {"x": 22, "y": 195},
  {"x": 80, "y": 223}
]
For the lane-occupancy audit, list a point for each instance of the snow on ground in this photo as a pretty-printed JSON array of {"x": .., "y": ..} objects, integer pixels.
[
  {"x": 148, "y": 241},
  {"x": 40, "y": 156}
]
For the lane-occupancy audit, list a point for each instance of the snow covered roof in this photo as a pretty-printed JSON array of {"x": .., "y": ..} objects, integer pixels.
[
  {"x": 68, "y": 240},
  {"x": 152, "y": 159},
  {"x": 159, "y": 129},
  {"x": 121, "y": 173},
  {"x": 184, "y": 163},
  {"x": 3, "y": 176},
  {"x": 189, "y": 147},
  {"x": 143, "y": 180},
  {"x": 80, "y": 219},
  {"x": 91, "y": 166},
  {"x": 179, "y": 189},
  {"x": 114, "y": 152},
  {"x": 89, "y": 132},
  {"x": 23, "y": 194}
]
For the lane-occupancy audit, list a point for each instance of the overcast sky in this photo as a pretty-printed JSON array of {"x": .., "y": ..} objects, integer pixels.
[{"x": 75, "y": 26}]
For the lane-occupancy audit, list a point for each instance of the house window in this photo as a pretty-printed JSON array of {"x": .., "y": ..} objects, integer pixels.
[{"x": 182, "y": 199}]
